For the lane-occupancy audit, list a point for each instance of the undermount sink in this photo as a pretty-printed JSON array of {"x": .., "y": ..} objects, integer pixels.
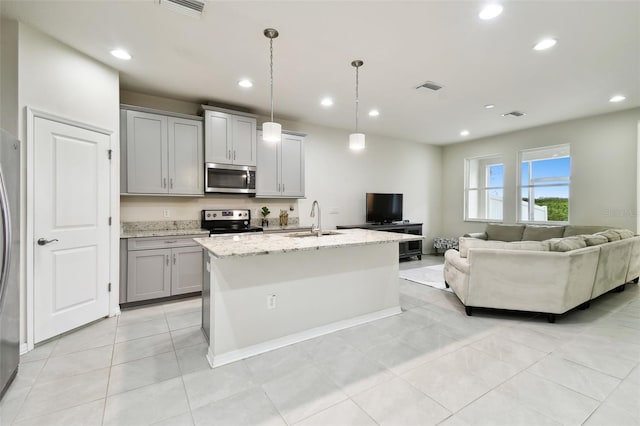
[{"x": 313, "y": 234}]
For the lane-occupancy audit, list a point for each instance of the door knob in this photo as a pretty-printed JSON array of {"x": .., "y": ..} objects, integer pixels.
[{"x": 43, "y": 242}]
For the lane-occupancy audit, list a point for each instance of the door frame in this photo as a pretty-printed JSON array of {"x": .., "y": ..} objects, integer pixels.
[{"x": 114, "y": 207}]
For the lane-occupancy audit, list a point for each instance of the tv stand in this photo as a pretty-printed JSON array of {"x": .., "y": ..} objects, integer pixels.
[{"x": 408, "y": 249}]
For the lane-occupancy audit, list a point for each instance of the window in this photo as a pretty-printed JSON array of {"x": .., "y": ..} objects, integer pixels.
[
  {"x": 484, "y": 188},
  {"x": 545, "y": 177}
]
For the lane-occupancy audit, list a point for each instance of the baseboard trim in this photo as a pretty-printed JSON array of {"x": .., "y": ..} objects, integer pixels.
[
  {"x": 24, "y": 348},
  {"x": 233, "y": 356}
]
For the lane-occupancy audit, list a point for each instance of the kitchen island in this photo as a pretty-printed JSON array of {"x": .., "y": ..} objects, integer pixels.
[{"x": 265, "y": 291}]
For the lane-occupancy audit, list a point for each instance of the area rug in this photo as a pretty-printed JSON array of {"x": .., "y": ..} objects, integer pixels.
[{"x": 428, "y": 275}]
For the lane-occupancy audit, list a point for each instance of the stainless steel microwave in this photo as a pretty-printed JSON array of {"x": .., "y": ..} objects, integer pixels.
[{"x": 228, "y": 178}]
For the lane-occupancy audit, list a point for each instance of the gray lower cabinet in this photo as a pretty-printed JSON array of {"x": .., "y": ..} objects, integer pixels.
[{"x": 161, "y": 267}]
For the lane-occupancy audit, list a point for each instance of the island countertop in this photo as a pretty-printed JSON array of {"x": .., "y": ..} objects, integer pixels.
[{"x": 250, "y": 244}]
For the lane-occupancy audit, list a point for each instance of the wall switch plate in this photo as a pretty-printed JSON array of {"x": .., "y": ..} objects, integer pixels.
[
  {"x": 271, "y": 301},
  {"x": 166, "y": 213}
]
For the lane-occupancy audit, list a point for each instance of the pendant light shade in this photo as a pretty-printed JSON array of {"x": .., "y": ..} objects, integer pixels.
[
  {"x": 356, "y": 139},
  {"x": 271, "y": 131}
]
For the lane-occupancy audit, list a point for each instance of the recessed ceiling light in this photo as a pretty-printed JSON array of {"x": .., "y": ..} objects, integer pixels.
[
  {"x": 245, "y": 83},
  {"x": 545, "y": 44},
  {"x": 490, "y": 11},
  {"x": 489, "y": 106},
  {"x": 464, "y": 133},
  {"x": 374, "y": 113},
  {"x": 326, "y": 102},
  {"x": 617, "y": 98},
  {"x": 121, "y": 54}
]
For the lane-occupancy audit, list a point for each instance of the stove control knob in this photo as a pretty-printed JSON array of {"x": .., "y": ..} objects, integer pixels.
[
  {"x": 215, "y": 214},
  {"x": 246, "y": 223}
]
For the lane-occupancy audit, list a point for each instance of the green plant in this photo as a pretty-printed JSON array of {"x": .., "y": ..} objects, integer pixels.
[{"x": 265, "y": 211}]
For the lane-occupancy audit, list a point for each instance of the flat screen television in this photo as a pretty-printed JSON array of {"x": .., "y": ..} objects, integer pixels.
[{"x": 384, "y": 208}]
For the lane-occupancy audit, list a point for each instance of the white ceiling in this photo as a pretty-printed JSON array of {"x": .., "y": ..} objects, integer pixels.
[{"x": 402, "y": 44}]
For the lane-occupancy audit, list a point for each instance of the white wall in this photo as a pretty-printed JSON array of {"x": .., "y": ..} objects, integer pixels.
[
  {"x": 335, "y": 176},
  {"x": 9, "y": 76},
  {"x": 603, "y": 175},
  {"x": 57, "y": 79}
]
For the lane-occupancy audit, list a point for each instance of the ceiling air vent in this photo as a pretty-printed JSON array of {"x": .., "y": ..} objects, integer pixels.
[
  {"x": 187, "y": 7},
  {"x": 430, "y": 85},
  {"x": 513, "y": 114}
]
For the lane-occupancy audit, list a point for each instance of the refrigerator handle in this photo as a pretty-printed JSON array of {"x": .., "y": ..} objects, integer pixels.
[{"x": 6, "y": 240}]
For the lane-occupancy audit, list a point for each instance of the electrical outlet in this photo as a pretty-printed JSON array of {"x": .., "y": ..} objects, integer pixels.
[
  {"x": 166, "y": 213},
  {"x": 271, "y": 301}
]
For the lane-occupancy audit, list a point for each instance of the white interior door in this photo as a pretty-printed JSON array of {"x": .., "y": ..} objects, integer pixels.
[{"x": 71, "y": 229}]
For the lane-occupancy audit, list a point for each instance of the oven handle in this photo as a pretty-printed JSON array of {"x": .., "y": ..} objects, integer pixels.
[{"x": 248, "y": 179}]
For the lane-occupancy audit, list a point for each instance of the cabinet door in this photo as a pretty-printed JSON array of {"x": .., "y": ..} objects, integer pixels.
[
  {"x": 267, "y": 169},
  {"x": 292, "y": 166},
  {"x": 244, "y": 141},
  {"x": 186, "y": 164},
  {"x": 186, "y": 273},
  {"x": 218, "y": 143},
  {"x": 147, "y": 150},
  {"x": 149, "y": 274}
]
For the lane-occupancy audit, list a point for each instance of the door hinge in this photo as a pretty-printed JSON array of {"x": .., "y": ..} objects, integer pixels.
[
  {"x": 109, "y": 220},
  {"x": 109, "y": 287},
  {"x": 110, "y": 151}
]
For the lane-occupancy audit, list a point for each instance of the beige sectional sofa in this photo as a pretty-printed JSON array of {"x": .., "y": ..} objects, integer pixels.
[{"x": 549, "y": 269}]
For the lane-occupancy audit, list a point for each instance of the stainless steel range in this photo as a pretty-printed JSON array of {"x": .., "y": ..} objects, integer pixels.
[{"x": 227, "y": 221}]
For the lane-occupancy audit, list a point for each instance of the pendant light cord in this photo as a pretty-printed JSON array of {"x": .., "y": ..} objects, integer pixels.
[
  {"x": 357, "y": 101},
  {"x": 271, "y": 73}
]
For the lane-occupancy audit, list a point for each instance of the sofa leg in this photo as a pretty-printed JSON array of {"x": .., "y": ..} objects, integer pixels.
[
  {"x": 551, "y": 318},
  {"x": 584, "y": 306},
  {"x": 468, "y": 310},
  {"x": 620, "y": 288},
  {"x": 446, "y": 284}
]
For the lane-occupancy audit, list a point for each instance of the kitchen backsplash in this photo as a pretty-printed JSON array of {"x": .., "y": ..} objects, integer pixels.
[{"x": 179, "y": 209}]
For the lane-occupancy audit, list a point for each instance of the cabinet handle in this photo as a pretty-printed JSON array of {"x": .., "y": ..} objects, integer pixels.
[
  {"x": 167, "y": 257},
  {"x": 229, "y": 155},
  {"x": 170, "y": 242},
  {"x": 174, "y": 258},
  {"x": 171, "y": 183},
  {"x": 283, "y": 187},
  {"x": 234, "y": 154},
  {"x": 164, "y": 182}
]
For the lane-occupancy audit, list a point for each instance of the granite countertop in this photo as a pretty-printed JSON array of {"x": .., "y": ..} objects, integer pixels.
[
  {"x": 288, "y": 228},
  {"x": 222, "y": 246},
  {"x": 164, "y": 228},
  {"x": 162, "y": 233}
]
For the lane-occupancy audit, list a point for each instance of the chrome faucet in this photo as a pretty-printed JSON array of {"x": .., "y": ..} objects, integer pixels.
[{"x": 314, "y": 228}]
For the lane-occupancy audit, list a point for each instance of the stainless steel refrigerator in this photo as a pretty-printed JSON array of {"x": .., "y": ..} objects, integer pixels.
[{"x": 10, "y": 259}]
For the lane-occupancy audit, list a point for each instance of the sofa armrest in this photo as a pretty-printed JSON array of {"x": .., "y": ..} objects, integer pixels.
[
  {"x": 453, "y": 257},
  {"x": 479, "y": 235}
]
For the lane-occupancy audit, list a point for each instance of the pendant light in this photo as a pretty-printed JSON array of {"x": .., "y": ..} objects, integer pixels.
[
  {"x": 356, "y": 140},
  {"x": 271, "y": 131}
]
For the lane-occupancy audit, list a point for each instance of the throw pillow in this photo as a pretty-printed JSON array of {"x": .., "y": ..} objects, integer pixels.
[
  {"x": 567, "y": 243},
  {"x": 610, "y": 234},
  {"x": 541, "y": 233},
  {"x": 624, "y": 233},
  {"x": 500, "y": 232},
  {"x": 594, "y": 240},
  {"x": 469, "y": 243},
  {"x": 573, "y": 230}
]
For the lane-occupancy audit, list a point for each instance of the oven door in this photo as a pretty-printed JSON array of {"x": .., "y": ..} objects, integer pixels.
[{"x": 226, "y": 178}]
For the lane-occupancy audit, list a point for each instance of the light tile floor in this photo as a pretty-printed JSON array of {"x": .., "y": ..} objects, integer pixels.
[{"x": 430, "y": 365}]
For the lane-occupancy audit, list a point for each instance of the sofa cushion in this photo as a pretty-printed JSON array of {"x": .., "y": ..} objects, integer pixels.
[
  {"x": 594, "y": 240},
  {"x": 573, "y": 230},
  {"x": 624, "y": 233},
  {"x": 610, "y": 234},
  {"x": 541, "y": 233},
  {"x": 567, "y": 244},
  {"x": 468, "y": 243},
  {"x": 500, "y": 232}
]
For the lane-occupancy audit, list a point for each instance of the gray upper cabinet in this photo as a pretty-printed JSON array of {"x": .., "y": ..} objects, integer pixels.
[
  {"x": 280, "y": 168},
  {"x": 162, "y": 154},
  {"x": 230, "y": 138}
]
